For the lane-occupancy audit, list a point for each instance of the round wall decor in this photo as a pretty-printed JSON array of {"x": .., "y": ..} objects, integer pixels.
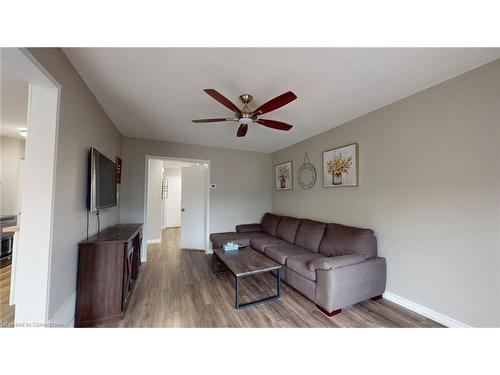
[{"x": 307, "y": 175}]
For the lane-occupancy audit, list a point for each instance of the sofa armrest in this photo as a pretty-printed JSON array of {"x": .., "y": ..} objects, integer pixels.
[
  {"x": 244, "y": 228},
  {"x": 345, "y": 286},
  {"x": 329, "y": 263}
]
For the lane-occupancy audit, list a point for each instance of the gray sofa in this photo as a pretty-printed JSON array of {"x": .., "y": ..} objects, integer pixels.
[{"x": 333, "y": 265}]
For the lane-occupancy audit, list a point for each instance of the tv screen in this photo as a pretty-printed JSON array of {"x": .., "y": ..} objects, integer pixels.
[{"x": 102, "y": 191}]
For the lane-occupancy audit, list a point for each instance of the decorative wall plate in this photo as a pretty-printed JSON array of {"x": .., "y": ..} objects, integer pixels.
[{"x": 307, "y": 175}]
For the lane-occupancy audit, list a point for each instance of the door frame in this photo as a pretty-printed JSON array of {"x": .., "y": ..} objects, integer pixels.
[
  {"x": 207, "y": 199},
  {"x": 31, "y": 282}
]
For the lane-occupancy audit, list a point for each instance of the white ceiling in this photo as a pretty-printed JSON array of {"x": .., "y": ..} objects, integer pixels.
[
  {"x": 155, "y": 92},
  {"x": 14, "y": 101}
]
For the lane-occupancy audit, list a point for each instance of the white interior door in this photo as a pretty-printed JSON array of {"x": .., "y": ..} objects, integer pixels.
[
  {"x": 193, "y": 213},
  {"x": 173, "y": 202}
]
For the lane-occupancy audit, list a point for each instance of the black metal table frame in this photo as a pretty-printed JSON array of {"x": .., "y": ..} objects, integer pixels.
[{"x": 237, "y": 304}]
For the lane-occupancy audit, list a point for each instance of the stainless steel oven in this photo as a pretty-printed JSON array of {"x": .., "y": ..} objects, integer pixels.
[{"x": 7, "y": 239}]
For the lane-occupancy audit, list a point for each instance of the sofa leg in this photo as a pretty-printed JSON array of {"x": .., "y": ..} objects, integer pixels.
[
  {"x": 327, "y": 313},
  {"x": 376, "y": 298}
]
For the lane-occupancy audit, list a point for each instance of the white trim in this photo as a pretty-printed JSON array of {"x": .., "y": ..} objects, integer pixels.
[
  {"x": 39, "y": 78},
  {"x": 149, "y": 242},
  {"x": 12, "y": 295},
  {"x": 428, "y": 313},
  {"x": 144, "y": 245},
  {"x": 54, "y": 178},
  {"x": 58, "y": 87},
  {"x": 65, "y": 316}
]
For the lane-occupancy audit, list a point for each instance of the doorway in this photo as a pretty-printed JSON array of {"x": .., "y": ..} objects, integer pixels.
[
  {"x": 33, "y": 204},
  {"x": 177, "y": 203}
]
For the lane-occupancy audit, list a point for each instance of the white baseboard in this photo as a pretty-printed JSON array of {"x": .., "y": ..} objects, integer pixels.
[
  {"x": 149, "y": 242},
  {"x": 65, "y": 316},
  {"x": 428, "y": 313}
]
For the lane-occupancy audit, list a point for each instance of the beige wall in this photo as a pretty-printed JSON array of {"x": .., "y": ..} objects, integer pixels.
[
  {"x": 155, "y": 176},
  {"x": 12, "y": 151},
  {"x": 82, "y": 123},
  {"x": 243, "y": 179},
  {"x": 429, "y": 187}
]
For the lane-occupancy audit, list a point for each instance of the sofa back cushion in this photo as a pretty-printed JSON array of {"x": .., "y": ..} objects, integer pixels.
[
  {"x": 270, "y": 223},
  {"x": 287, "y": 228},
  {"x": 310, "y": 234},
  {"x": 342, "y": 240}
]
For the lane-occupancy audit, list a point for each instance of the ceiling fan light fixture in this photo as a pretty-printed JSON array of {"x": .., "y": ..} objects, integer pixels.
[{"x": 245, "y": 120}]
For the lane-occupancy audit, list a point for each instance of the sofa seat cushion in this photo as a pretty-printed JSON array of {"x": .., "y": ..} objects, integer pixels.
[
  {"x": 281, "y": 252},
  {"x": 310, "y": 234},
  {"x": 299, "y": 264},
  {"x": 260, "y": 243},
  {"x": 218, "y": 239},
  {"x": 343, "y": 240},
  {"x": 270, "y": 223},
  {"x": 287, "y": 229}
]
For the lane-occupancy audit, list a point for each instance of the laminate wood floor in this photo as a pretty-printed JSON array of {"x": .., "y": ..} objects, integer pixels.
[
  {"x": 6, "y": 311},
  {"x": 177, "y": 289}
]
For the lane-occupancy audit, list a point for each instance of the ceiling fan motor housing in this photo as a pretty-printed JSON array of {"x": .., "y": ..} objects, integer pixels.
[
  {"x": 246, "y": 98},
  {"x": 246, "y": 112}
]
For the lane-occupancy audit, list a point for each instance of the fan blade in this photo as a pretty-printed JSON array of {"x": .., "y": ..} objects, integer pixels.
[
  {"x": 223, "y": 100},
  {"x": 204, "y": 120},
  {"x": 274, "y": 124},
  {"x": 276, "y": 103},
  {"x": 242, "y": 130}
]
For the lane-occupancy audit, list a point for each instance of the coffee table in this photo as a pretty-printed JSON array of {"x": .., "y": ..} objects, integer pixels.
[{"x": 243, "y": 263}]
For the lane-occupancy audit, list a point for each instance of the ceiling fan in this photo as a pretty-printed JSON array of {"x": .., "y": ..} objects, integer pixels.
[{"x": 246, "y": 115}]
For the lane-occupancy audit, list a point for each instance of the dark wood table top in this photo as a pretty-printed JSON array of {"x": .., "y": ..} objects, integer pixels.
[
  {"x": 246, "y": 261},
  {"x": 115, "y": 233}
]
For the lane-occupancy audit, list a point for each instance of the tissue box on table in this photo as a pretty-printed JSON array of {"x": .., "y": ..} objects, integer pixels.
[{"x": 230, "y": 246}]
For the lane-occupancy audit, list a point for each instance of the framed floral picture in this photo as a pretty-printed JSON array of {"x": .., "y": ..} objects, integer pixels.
[
  {"x": 284, "y": 176},
  {"x": 340, "y": 166}
]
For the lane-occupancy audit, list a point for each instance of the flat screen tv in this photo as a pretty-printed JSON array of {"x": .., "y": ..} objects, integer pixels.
[{"x": 102, "y": 181}]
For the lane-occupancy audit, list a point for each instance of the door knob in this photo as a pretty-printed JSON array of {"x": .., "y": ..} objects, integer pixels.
[{"x": 183, "y": 209}]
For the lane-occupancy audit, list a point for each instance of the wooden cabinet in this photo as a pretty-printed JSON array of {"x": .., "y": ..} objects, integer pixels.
[{"x": 108, "y": 269}]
